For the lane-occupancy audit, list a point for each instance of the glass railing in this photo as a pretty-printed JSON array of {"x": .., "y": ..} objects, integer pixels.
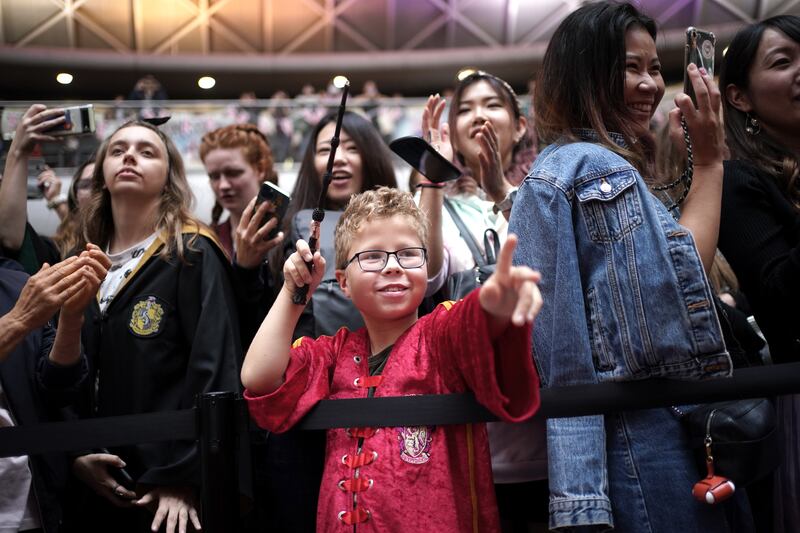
[{"x": 286, "y": 123}]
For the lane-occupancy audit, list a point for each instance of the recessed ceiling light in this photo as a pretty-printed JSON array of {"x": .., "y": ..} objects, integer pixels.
[
  {"x": 64, "y": 78},
  {"x": 206, "y": 82}
]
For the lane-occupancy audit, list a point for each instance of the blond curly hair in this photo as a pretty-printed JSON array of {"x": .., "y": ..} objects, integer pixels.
[{"x": 380, "y": 203}]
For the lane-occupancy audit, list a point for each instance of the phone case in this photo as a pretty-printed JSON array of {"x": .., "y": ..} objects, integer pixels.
[
  {"x": 79, "y": 121},
  {"x": 700, "y": 50},
  {"x": 279, "y": 198}
]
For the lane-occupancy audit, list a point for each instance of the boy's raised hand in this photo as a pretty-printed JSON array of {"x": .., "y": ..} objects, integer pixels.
[
  {"x": 511, "y": 293},
  {"x": 296, "y": 273}
]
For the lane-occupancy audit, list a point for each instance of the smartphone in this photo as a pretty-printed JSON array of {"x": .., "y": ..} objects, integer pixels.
[
  {"x": 279, "y": 199},
  {"x": 120, "y": 475},
  {"x": 36, "y": 165},
  {"x": 425, "y": 159},
  {"x": 79, "y": 121},
  {"x": 700, "y": 50}
]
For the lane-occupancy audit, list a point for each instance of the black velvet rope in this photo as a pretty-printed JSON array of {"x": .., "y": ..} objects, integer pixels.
[{"x": 557, "y": 402}]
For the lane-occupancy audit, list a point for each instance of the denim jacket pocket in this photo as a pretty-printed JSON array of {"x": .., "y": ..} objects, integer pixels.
[{"x": 610, "y": 205}]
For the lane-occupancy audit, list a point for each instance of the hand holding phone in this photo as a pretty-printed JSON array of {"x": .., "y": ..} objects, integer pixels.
[
  {"x": 279, "y": 199},
  {"x": 78, "y": 120},
  {"x": 120, "y": 474},
  {"x": 700, "y": 50}
]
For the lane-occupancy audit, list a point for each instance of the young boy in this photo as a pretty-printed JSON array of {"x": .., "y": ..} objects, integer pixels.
[{"x": 387, "y": 479}]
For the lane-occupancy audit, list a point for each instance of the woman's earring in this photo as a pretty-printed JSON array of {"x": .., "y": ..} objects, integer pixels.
[{"x": 751, "y": 125}]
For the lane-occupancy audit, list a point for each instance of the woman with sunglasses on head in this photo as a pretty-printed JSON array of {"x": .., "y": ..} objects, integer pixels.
[
  {"x": 760, "y": 225},
  {"x": 488, "y": 137},
  {"x": 624, "y": 285},
  {"x": 163, "y": 330}
]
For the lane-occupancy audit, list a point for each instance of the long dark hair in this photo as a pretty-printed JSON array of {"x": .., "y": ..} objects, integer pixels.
[
  {"x": 582, "y": 81},
  {"x": 376, "y": 168},
  {"x": 524, "y": 152},
  {"x": 764, "y": 151}
]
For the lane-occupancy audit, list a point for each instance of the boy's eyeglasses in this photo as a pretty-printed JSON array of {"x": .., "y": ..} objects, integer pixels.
[{"x": 376, "y": 260}]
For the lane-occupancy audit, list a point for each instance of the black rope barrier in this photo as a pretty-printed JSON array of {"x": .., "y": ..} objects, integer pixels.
[
  {"x": 557, "y": 402},
  {"x": 92, "y": 433},
  {"x": 214, "y": 422}
]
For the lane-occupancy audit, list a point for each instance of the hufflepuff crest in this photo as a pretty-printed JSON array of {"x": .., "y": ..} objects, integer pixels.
[{"x": 146, "y": 317}]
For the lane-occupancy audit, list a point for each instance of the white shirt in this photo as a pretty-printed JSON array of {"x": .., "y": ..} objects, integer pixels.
[
  {"x": 122, "y": 265},
  {"x": 18, "y": 510}
]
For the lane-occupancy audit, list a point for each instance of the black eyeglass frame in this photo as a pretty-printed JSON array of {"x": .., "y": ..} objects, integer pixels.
[{"x": 356, "y": 257}]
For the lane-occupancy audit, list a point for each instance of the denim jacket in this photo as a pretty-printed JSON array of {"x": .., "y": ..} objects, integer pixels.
[{"x": 625, "y": 298}]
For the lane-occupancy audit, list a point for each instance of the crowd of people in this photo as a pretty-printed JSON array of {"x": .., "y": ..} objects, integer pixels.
[{"x": 595, "y": 264}]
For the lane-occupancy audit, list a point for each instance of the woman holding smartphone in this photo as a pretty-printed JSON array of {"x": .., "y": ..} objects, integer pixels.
[
  {"x": 760, "y": 226},
  {"x": 624, "y": 285},
  {"x": 238, "y": 159},
  {"x": 155, "y": 337}
]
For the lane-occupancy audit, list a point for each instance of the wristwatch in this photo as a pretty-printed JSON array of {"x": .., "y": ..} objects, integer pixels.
[
  {"x": 57, "y": 201},
  {"x": 506, "y": 203}
]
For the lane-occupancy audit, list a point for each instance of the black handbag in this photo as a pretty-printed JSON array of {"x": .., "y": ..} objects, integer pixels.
[
  {"x": 460, "y": 284},
  {"x": 742, "y": 436}
]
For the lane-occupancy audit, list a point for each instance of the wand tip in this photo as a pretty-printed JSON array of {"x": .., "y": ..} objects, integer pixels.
[{"x": 340, "y": 81}]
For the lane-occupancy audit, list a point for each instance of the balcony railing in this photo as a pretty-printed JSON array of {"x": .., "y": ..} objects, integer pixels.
[{"x": 285, "y": 122}]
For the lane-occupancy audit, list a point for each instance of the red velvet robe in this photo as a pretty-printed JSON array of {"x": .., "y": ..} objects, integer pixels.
[{"x": 422, "y": 478}]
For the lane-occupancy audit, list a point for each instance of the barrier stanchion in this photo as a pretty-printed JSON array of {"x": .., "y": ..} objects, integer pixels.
[{"x": 217, "y": 425}]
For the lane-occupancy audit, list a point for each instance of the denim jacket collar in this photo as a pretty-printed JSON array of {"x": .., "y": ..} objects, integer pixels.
[{"x": 586, "y": 134}]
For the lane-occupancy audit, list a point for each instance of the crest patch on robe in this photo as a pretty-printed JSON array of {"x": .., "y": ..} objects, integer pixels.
[
  {"x": 415, "y": 443},
  {"x": 146, "y": 317}
]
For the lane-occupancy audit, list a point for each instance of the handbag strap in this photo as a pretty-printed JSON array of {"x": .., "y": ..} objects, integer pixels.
[
  {"x": 491, "y": 243},
  {"x": 466, "y": 235}
]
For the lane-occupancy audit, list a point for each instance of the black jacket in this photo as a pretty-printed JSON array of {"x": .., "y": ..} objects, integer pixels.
[
  {"x": 760, "y": 237},
  {"x": 170, "y": 333}
]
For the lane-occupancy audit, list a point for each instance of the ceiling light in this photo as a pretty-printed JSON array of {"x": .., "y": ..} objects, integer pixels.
[
  {"x": 340, "y": 81},
  {"x": 206, "y": 82},
  {"x": 64, "y": 78}
]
